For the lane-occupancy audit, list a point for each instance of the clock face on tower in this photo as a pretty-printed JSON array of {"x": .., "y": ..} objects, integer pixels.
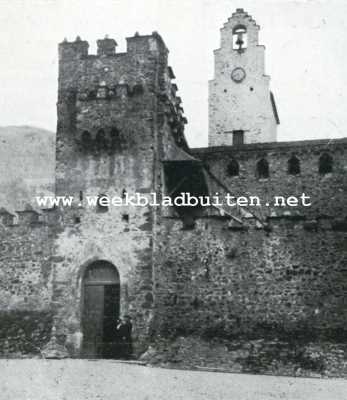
[{"x": 238, "y": 75}]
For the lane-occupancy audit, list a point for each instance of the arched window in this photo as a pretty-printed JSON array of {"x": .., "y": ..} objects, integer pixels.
[
  {"x": 325, "y": 164},
  {"x": 100, "y": 140},
  {"x": 233, "y": 168},
  {"x": 293, "y": 165},
  {"x": 239, "y": 38},
  {"x": 86, "y": 139},
  {"x": 115, "y": 139},
  {"x": 102, "y": 203},
  {"x": 262, "y": 169}
]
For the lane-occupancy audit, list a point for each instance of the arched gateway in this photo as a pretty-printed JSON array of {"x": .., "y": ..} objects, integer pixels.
[{"x": 101, "y": 293}]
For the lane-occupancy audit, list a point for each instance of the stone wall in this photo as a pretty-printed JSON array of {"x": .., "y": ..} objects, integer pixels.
[
  {"x": 280, "y": 271},
  {"x": 267, "y": 357},
  {"x": 219, "y": 282},
  {"x": 24, "y": 332},
  {"x": 275, "y": 273},
  {"x": 26, "y": 277},
  {"x": 327, "y": 192}
]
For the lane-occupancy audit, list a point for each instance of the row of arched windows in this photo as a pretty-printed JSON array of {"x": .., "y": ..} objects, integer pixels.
[
  {"x": 325, "y": 166},
  {"x": 103, "y": 139}
]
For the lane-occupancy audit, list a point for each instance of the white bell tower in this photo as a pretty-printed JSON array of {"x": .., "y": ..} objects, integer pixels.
[{"x": 241, "y": 107}]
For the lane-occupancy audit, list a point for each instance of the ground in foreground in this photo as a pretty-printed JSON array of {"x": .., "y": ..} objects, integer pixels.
[{"x": 36, "y": 379}]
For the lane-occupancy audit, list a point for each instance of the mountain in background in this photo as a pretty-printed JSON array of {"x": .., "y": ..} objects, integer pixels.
[{"x": 27, "y": 162}]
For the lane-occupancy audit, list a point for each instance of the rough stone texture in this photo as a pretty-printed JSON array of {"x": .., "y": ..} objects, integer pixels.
[
  {"x": 26, "y": 283},
  {"x": 304, "y": 359},
  {"x": 226, "y": 275},
  {"x": 117, "y": 115},
  {"x": 277, "y": 275},
  {"x": 126, "y": 96},
  {"x": 244, "y": 105},
  {"x": 225, "y": 283},
  {"x": 327, "y": 191},
  {"x": 26, "y": 272},
  {"x": 24, "y": 332}
]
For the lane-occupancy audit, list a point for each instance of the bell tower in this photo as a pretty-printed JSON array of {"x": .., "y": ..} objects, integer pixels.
[{"x": 241, "y": 107}]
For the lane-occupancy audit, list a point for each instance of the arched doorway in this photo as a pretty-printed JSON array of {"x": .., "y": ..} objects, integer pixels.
[{"x": 101, "y": 293}]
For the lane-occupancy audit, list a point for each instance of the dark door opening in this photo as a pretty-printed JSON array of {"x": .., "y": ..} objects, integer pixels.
[{"x": 100, "y": 310}]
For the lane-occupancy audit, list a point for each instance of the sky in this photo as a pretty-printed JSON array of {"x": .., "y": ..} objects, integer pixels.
[{"x": 305, "y": 40}]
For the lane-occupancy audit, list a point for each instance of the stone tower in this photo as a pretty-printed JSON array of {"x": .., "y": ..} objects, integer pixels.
[
  {"x": 241, "y": 107},
  {"x": 105, "y": 110},
  {"x": 116, "y": 114}
]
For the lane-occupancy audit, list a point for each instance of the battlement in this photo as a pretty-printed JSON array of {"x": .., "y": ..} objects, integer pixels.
[
  {"x": 96, "y": 89},
  {"x": 79, "y": 49},
  {"x": 28, "y": 216},
  {"x": 291, "y": 219},
  {"x": 108, "y": 75}
]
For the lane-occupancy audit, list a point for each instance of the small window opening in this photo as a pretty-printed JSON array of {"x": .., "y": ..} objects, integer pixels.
[
  {"x": 195, "y": 303},
  {"x": 233, "y": 168},
  {"x": 124, "y": 192},
  {"x": 92, "y": 94},
  {"x": 77, "y": 220},
  {"x": 238, "y": 137},
  {"x": 293, "y": 166},
  {"x": 325, "y": 164},
  {"x": 188, "y": 221},
  {"x": 207, "y": 272},
  {"x": 86, "y": 139},
  {"x": 239, "y": 38},
  {"x": 81, "y": 195},
  {"x": 115, "y": 139},
  {"x": 102, "y": 203},
  {"x": 137, "y": 89},
  {"x": 100, "y": 140},
  {"x": 125, "y": 217},
  {"x": 262, "y": 169}
]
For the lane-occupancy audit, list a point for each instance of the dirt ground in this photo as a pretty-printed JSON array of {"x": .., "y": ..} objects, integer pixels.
[{"x": 105, "y": 380}]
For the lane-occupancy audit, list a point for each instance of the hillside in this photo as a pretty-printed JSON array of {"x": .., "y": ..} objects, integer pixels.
[{"x": 26, "y": 164}]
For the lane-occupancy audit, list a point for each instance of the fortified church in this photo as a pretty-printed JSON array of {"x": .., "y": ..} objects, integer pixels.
[{"x": 216, "y": 272}]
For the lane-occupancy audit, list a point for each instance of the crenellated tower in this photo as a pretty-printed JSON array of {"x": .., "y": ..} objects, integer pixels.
[
  {"x": 118, "y": 118},
  {"x": 241, "y": 107},
  {"x": 107, "y": 134}
]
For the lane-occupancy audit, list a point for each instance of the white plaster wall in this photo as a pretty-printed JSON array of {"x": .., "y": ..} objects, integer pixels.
[{"x": 240, "y": 106}]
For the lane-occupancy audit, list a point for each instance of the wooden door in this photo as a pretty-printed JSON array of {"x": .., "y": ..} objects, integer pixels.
[
  {"x": 93, "y": 320},
  {"x": 100, "y": 310},
  {"x": 111, "y": 315}
]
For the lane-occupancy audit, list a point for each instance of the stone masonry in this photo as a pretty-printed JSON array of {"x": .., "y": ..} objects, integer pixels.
[{"x": 225, "y": 273}]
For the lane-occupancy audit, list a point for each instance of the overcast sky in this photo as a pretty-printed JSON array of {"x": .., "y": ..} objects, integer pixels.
[{"x": 306, "y": 55}]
